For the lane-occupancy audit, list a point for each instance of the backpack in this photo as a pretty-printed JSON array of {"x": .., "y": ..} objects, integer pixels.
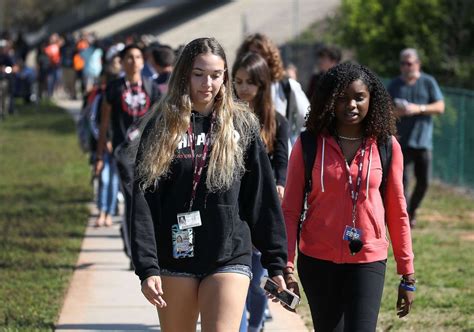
[
  {"x": 85, "y": 130},
  {"x": 309, "y": 155}
]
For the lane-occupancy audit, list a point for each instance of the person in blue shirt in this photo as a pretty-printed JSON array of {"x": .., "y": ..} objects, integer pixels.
[{"x": 417, "y": 98}]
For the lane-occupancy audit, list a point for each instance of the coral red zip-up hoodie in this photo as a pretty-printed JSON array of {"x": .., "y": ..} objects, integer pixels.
[{"x": 330, "y": 206}]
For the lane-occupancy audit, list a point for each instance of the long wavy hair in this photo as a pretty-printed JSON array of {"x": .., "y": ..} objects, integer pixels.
[
  {"x": 259, "y": 73},
  {"x": 268, "y": 50},
  {"x": 380, "y": 120},
  {"x": 170, "y": 119}
]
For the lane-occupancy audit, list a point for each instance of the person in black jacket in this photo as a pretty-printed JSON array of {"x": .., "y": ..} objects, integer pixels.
[
  {"x": 203, "y": 193},
  {"x": 252, "y": 82},
  {"x": 126, "y": 100}
]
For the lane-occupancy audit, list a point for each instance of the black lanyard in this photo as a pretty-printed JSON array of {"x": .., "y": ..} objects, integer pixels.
[{"x": 199, "y": 163}]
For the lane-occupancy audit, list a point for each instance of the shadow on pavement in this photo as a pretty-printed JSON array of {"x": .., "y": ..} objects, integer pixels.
[{"x": 173, "y": 16}]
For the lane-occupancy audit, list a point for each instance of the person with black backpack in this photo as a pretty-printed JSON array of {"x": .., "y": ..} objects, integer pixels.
[
  {"x": 344, "y": 191},
  {"x": 127, "y": 100}
]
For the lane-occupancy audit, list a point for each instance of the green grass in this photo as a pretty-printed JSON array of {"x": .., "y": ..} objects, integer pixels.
[
  {"x": 443, "y": 242},
  {"x": 44, "y": 185}
]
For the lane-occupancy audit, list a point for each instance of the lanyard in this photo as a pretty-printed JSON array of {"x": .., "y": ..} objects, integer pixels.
[
  {"x": 199, "y": 163},
  {"x": 355, "y": 193}
]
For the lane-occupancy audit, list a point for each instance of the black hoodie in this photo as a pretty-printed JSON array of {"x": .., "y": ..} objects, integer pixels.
[{"x": 249, "y": 212}]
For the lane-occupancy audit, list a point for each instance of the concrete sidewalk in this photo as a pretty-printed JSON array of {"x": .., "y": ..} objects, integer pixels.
[{"x": 105, "y": 296}]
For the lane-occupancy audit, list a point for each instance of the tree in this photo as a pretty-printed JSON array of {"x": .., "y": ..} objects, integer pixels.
[
  {"x": 441, "y": 30},
  {"x": 29, "y": 15}
]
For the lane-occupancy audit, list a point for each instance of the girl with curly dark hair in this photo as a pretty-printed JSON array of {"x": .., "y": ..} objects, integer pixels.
[{"x": 343, "y": 243}]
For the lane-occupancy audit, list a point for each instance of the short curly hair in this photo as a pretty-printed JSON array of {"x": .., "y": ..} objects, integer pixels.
[
  {"x": 380, "y": 120},
  {"x": 264, "y": 46}
]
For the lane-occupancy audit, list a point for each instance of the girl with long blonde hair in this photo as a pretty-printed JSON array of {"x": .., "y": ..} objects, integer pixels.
[{"x": 201, "y": 174}]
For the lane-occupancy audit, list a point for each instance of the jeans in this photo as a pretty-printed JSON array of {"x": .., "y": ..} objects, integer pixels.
[
  {"x": 235, "y": 268},
  {"x": 53, "y": 79},
  {"x": 256, "y": 299},
  {"x": 420, "y": 159},
  {"x": 108, "y": 186},
  {"x": 342, "y": 297}
]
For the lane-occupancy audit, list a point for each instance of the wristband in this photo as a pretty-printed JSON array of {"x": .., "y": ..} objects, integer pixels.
[
  {"x": 422, "y": 108},
  {"x": 408, "y": 280},
  {"x": 407, "y": 287}
]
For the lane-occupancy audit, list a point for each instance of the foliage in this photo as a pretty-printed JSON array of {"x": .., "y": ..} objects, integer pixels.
[
  {"x": 441, "y": 30},
  {"x": 29, "y": 15},
  {"x": 43, "y": 188}
]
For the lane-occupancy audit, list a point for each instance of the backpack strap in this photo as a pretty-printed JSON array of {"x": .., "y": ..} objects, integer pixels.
[
  {"x": 385, "y": 152},
  {"x": 148, "y": 86},
  {"x": 285, "y": 84},
  {"x": 309, "y": 147}
]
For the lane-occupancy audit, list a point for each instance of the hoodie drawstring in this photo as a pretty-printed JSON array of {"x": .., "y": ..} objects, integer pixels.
[
  {"x": 322, "y": 164},
  {"x": 368, "y": 172}
]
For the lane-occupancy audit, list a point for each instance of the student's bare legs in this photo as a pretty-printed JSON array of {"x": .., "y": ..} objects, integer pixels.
[
  {"x": 221, "y": 301},
  {"x": 182, "y": 311}
]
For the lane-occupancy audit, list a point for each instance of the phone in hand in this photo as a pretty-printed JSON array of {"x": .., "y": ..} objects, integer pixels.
[{"x": 287, "y": 297}]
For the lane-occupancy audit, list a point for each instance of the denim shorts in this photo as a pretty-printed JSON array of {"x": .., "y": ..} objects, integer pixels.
[{"x": 235, "y": 268}]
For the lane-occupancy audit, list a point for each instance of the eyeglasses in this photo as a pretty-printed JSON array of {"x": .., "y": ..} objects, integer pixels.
[{"x": 407, "y": 63}]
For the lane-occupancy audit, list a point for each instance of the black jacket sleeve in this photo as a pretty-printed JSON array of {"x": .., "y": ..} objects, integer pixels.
[
  {"x": 280, "y": 151},
  {"x": 142, "y": 239},
  {"x": 260, "y": 208}
]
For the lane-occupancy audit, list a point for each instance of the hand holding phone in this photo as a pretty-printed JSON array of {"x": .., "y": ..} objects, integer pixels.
[{"x": 286, "y": 297}]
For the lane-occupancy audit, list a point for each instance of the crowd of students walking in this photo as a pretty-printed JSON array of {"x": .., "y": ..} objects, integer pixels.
[{"x": 230, "y": 172}]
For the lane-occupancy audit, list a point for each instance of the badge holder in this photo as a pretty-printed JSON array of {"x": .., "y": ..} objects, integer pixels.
[{"x": 183, "y": 242}]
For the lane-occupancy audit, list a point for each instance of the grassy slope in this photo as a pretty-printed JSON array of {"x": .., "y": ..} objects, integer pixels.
[
  {"x": 43, "y": 188},
  {"x": 443, "y": 244}
]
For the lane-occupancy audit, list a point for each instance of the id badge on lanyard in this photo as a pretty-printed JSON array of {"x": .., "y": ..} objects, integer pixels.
[
  {"x": 191, "y": 218},
  {"x": 352, "y": 234},
  {"x": 133, "y": 133}
]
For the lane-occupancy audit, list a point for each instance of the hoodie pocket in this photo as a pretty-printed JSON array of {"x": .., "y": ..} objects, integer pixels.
[
  {"x": 221, "y": 223},
  {"x": 375, "y": 224}
]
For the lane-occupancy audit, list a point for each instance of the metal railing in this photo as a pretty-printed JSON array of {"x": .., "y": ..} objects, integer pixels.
[{"x": 453, "y": 139}]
